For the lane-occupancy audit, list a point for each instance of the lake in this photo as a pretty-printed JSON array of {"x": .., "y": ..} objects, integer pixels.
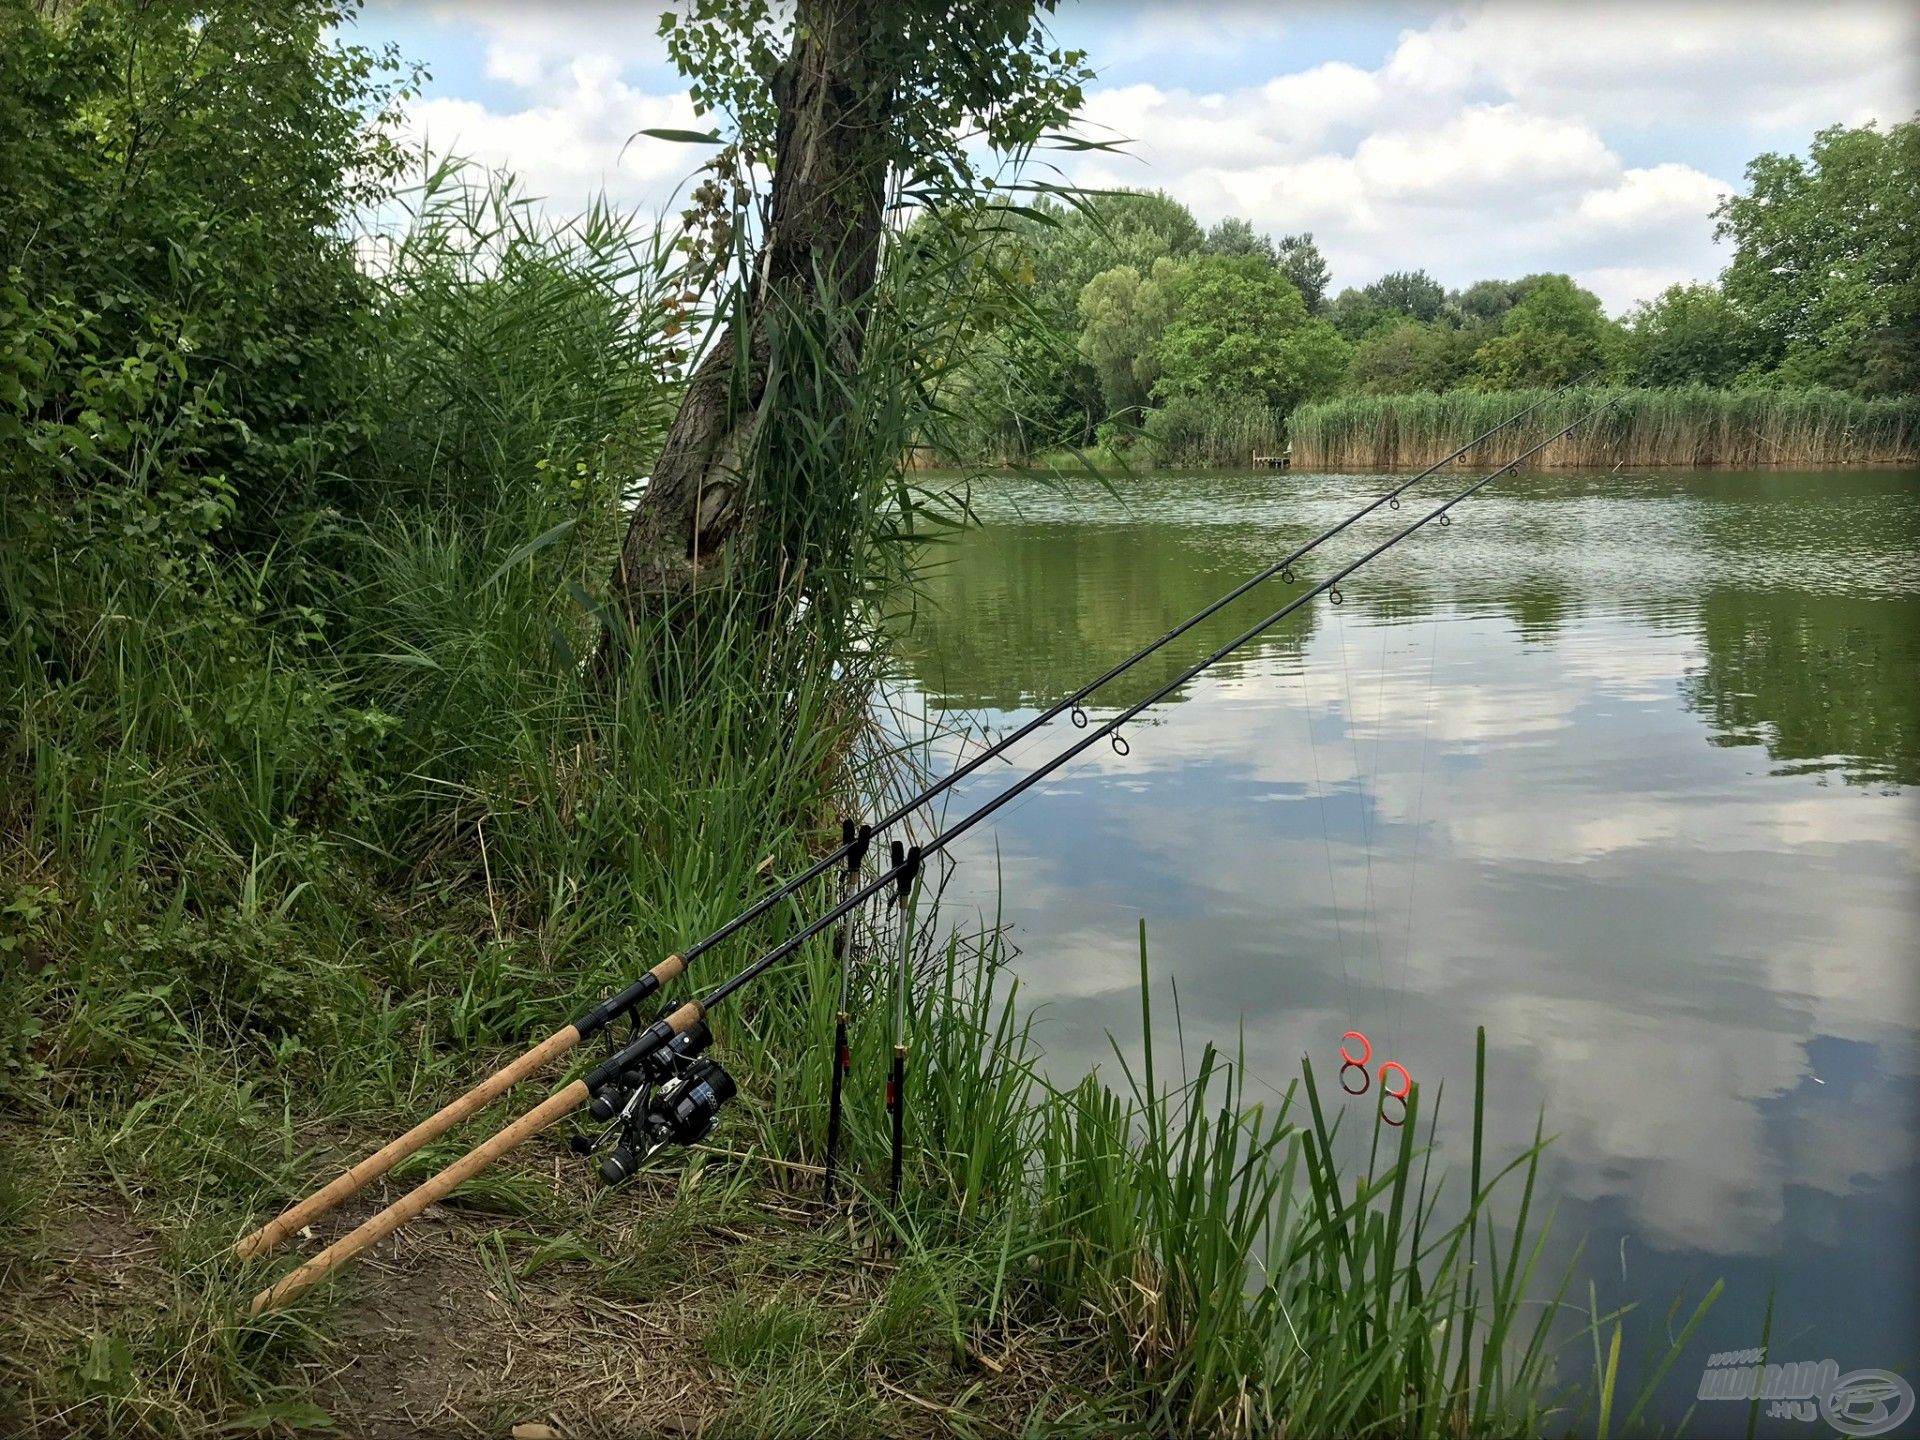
[{"x": 1619, "y": 766}]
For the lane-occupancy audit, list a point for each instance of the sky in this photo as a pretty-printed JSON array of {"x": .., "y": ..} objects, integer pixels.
[{"x": 1472, "y": 141}]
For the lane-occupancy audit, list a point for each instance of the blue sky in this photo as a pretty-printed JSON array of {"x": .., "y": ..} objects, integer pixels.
[{"x": 1472, "y": 140}]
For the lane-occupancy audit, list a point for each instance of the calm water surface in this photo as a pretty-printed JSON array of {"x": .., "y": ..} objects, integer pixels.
[{"x": 1621, "y": 767}]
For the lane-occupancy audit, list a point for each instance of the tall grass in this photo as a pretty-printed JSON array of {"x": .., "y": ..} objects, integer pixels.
[
  {"x": 289, "y": 840},
  {"x": 1684, "y": 427},
  {"x": 1246, "y": 1280}
]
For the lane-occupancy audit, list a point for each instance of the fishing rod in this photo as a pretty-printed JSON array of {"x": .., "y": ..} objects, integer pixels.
[
  {"x": 623, "y": 1002},
  {"x": 688, "y": 1098}
]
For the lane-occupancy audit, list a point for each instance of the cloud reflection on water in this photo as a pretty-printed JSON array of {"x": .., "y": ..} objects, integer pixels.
[{"x": 1665, "y": 845}]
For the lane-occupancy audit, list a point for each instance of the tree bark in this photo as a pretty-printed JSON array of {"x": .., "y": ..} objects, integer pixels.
[{"x": 815, "y": 267}]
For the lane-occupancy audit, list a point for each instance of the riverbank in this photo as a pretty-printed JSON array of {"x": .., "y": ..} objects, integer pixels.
[
  {"x": 1069, "y": 1261},
  {"x": 265, "y": 903},
  {"x": 314, "y": 806},
  {"x": 1690, "y": 429}
]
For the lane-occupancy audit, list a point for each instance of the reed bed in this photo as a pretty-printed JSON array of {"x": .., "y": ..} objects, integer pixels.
[
  {"x": 1696, "y": 426},
  {"x": 1228, "y": 430}
]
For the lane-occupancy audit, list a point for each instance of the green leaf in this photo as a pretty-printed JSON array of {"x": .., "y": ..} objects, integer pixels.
[
  {"x": 683, "y": 137},
  {"x": 295, "y": 1415},
  {"x": 529, "y": 550}
]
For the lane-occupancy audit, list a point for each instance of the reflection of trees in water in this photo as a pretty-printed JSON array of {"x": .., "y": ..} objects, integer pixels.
[
  {"x": 1020, "y": 612},
  {"x": 1538, "y": 612},
  {"x": 1822, "y": 681},
  {"x": 1017, "y": 615}
]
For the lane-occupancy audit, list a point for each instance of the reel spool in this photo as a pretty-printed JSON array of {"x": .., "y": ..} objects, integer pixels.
[
  {"x": 671, "y": 1097},
  {"x": 681, "y": 1113}
]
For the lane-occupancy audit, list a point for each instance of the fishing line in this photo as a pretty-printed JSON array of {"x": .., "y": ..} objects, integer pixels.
[
  {"x": 906, "y": 864},
  {"x": 1353, "y": 1072},
  {"x": 1072, "y": 704},
  {"x": 662, "y": 1031},
  {"x": 1326, "y": 840},
  {"x": 1369, "y": 930},
  {"x": 854, "y": 841},
  {"x": 1375, "y": 905},
  {"x": 625, "y": 1001},
  {"x": 1419, "y": 818}
]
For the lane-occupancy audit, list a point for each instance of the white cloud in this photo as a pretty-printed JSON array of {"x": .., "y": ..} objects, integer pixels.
[
  {"x": 527, "y": 44},
  {"x": 1762, "y": 66},
  {"x": 581, "y": 139},
  {"x": 1487, "y": 141},
  {"x": 1655, "y": 196},
  {"x": 1496, "y": 151},
  {"x": 1474, "y": 189}
]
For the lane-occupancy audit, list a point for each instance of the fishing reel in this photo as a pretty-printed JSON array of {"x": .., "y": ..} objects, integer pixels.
[{"x": 671, "y": 1097}]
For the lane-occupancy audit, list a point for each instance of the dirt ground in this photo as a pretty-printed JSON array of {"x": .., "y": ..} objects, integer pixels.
[{"x": 592, "y": 1320}]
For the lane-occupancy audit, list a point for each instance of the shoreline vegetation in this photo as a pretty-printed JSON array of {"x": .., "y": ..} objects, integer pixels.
[
  {"x": 1690, "y": 428},
  {"x": 1197, "y": 347},
  {"x": 312, "y": 806}
]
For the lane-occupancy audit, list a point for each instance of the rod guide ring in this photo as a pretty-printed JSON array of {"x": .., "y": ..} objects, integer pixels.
[{"x": 1360, "y": 1060}]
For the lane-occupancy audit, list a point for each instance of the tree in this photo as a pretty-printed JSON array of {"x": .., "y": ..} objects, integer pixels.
[
  {"x": 1106, "y": 229},
  {"x": 1301, "y": 262},
  {"x": 1404, "y": 294},
  {"x": 1356, "y": 315},
  {"x": 1689, "y": 335},
  {"x": 1236, "y": 237},
  {"x": 774, "y": 451},
  {"x": 1486, "y": 302},
  {"x": 1314, "y": 360},
  {"x": 1412, "y": 293},
  {"x": 1826, "y": 254},
  {"x": 1240, "y": 328},
  {"x": 1061, "y": 248},
  {"x": 1409, "y": 356},
  {"x": 1123, "y": 316},
  {"x": 1556, "y": 334}
]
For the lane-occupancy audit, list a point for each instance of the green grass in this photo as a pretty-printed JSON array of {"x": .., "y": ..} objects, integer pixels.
[{"x": 1686, "y": 427}]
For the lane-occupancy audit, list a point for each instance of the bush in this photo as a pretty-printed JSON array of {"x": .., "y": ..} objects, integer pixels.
[{"x": 180, "y": 300}]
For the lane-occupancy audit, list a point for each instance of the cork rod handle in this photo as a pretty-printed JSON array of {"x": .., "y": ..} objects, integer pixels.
[
  {"x": 418, "y": 1199},
  {"x": 270, "y": 1235},
  {"x": 264, "y": 1240}
]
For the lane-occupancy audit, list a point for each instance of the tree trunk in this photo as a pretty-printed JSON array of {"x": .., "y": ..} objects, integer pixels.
[{"x": 712, "y": 485}]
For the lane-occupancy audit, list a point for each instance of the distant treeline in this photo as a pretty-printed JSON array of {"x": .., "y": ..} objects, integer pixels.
[
  {"x": 1694, "y": 425},
  {"x": 1189, "y": 346}
]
